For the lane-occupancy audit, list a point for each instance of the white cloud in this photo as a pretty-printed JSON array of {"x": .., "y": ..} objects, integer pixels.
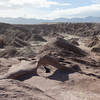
[
  {"x": 28, "y": 8},
  {"x": 34, "y": 3},
  {"x": 91, "y": 10},
  {"x": 96, "y": 1}
]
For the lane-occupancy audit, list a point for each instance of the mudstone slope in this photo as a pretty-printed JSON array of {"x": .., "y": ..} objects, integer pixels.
[{"x": 59, "y": 61}]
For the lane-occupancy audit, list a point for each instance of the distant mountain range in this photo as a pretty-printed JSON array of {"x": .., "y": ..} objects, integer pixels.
[{"x": 38, "y": 21}]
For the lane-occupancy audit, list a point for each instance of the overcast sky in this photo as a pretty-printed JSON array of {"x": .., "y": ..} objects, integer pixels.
[{"x": 49, "y": 9}]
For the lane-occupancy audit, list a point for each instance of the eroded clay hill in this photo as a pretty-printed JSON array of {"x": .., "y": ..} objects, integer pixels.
[
  {"x": 26, "y": 32},
  {"x": 50, "y": 61}
]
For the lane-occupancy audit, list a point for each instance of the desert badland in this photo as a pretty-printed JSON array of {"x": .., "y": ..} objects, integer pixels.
[{"x": 58, "y": 61}]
